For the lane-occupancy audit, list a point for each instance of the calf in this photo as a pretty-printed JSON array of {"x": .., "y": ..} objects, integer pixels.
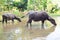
[{"x": 9, "y": 16}]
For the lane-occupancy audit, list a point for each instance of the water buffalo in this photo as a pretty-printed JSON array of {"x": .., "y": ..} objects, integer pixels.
[
  {"x": 8, "y": 16},
  {"x": 40, "y": 16}
]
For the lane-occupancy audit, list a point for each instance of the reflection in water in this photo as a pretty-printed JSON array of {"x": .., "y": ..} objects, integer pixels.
[
  {"x": 55, "y": 35},
  {"x": 20, "y": 32},
  {"x": 19, "y": 38},
  {"x": 12, "y": 31},
  {"x": 13, "y": 34}
]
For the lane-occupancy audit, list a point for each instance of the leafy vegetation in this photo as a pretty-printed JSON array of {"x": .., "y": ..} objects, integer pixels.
[{"x": 23, "y": 5}]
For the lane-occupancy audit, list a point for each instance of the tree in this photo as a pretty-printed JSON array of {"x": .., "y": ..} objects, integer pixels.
[
  {"x": 54, "y": 9},
  {"x": 21, "y": 5},
  {"x": 37, "y": 4},
  {"x": 6, "y": 4},
  {"x": 44, "y": 4}
]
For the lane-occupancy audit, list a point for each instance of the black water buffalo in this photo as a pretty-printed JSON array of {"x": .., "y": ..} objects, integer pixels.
[
  {"x": 40, "y": 16},
  {"x": 8, "y": 16}
]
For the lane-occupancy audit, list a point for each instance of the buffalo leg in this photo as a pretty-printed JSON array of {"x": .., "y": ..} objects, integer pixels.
[
  {"x": 12, "y": 20},
  {"x": 3, "y": 19},
  {"x": 29, "y": 21},
  {"x": 6, "y": 21},
  {"x": 43, "y": 24}
]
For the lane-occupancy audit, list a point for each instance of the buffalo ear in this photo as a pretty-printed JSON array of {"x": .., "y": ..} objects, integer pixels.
[{"x": 49, "y": 17}]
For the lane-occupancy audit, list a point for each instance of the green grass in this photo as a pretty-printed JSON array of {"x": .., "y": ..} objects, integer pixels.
[
  {"x": 19, "y": 14},
  {"x": 54, "y": 14}
]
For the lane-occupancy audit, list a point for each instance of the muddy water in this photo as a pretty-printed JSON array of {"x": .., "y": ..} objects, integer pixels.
[{"x": 19, "y": 31}]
